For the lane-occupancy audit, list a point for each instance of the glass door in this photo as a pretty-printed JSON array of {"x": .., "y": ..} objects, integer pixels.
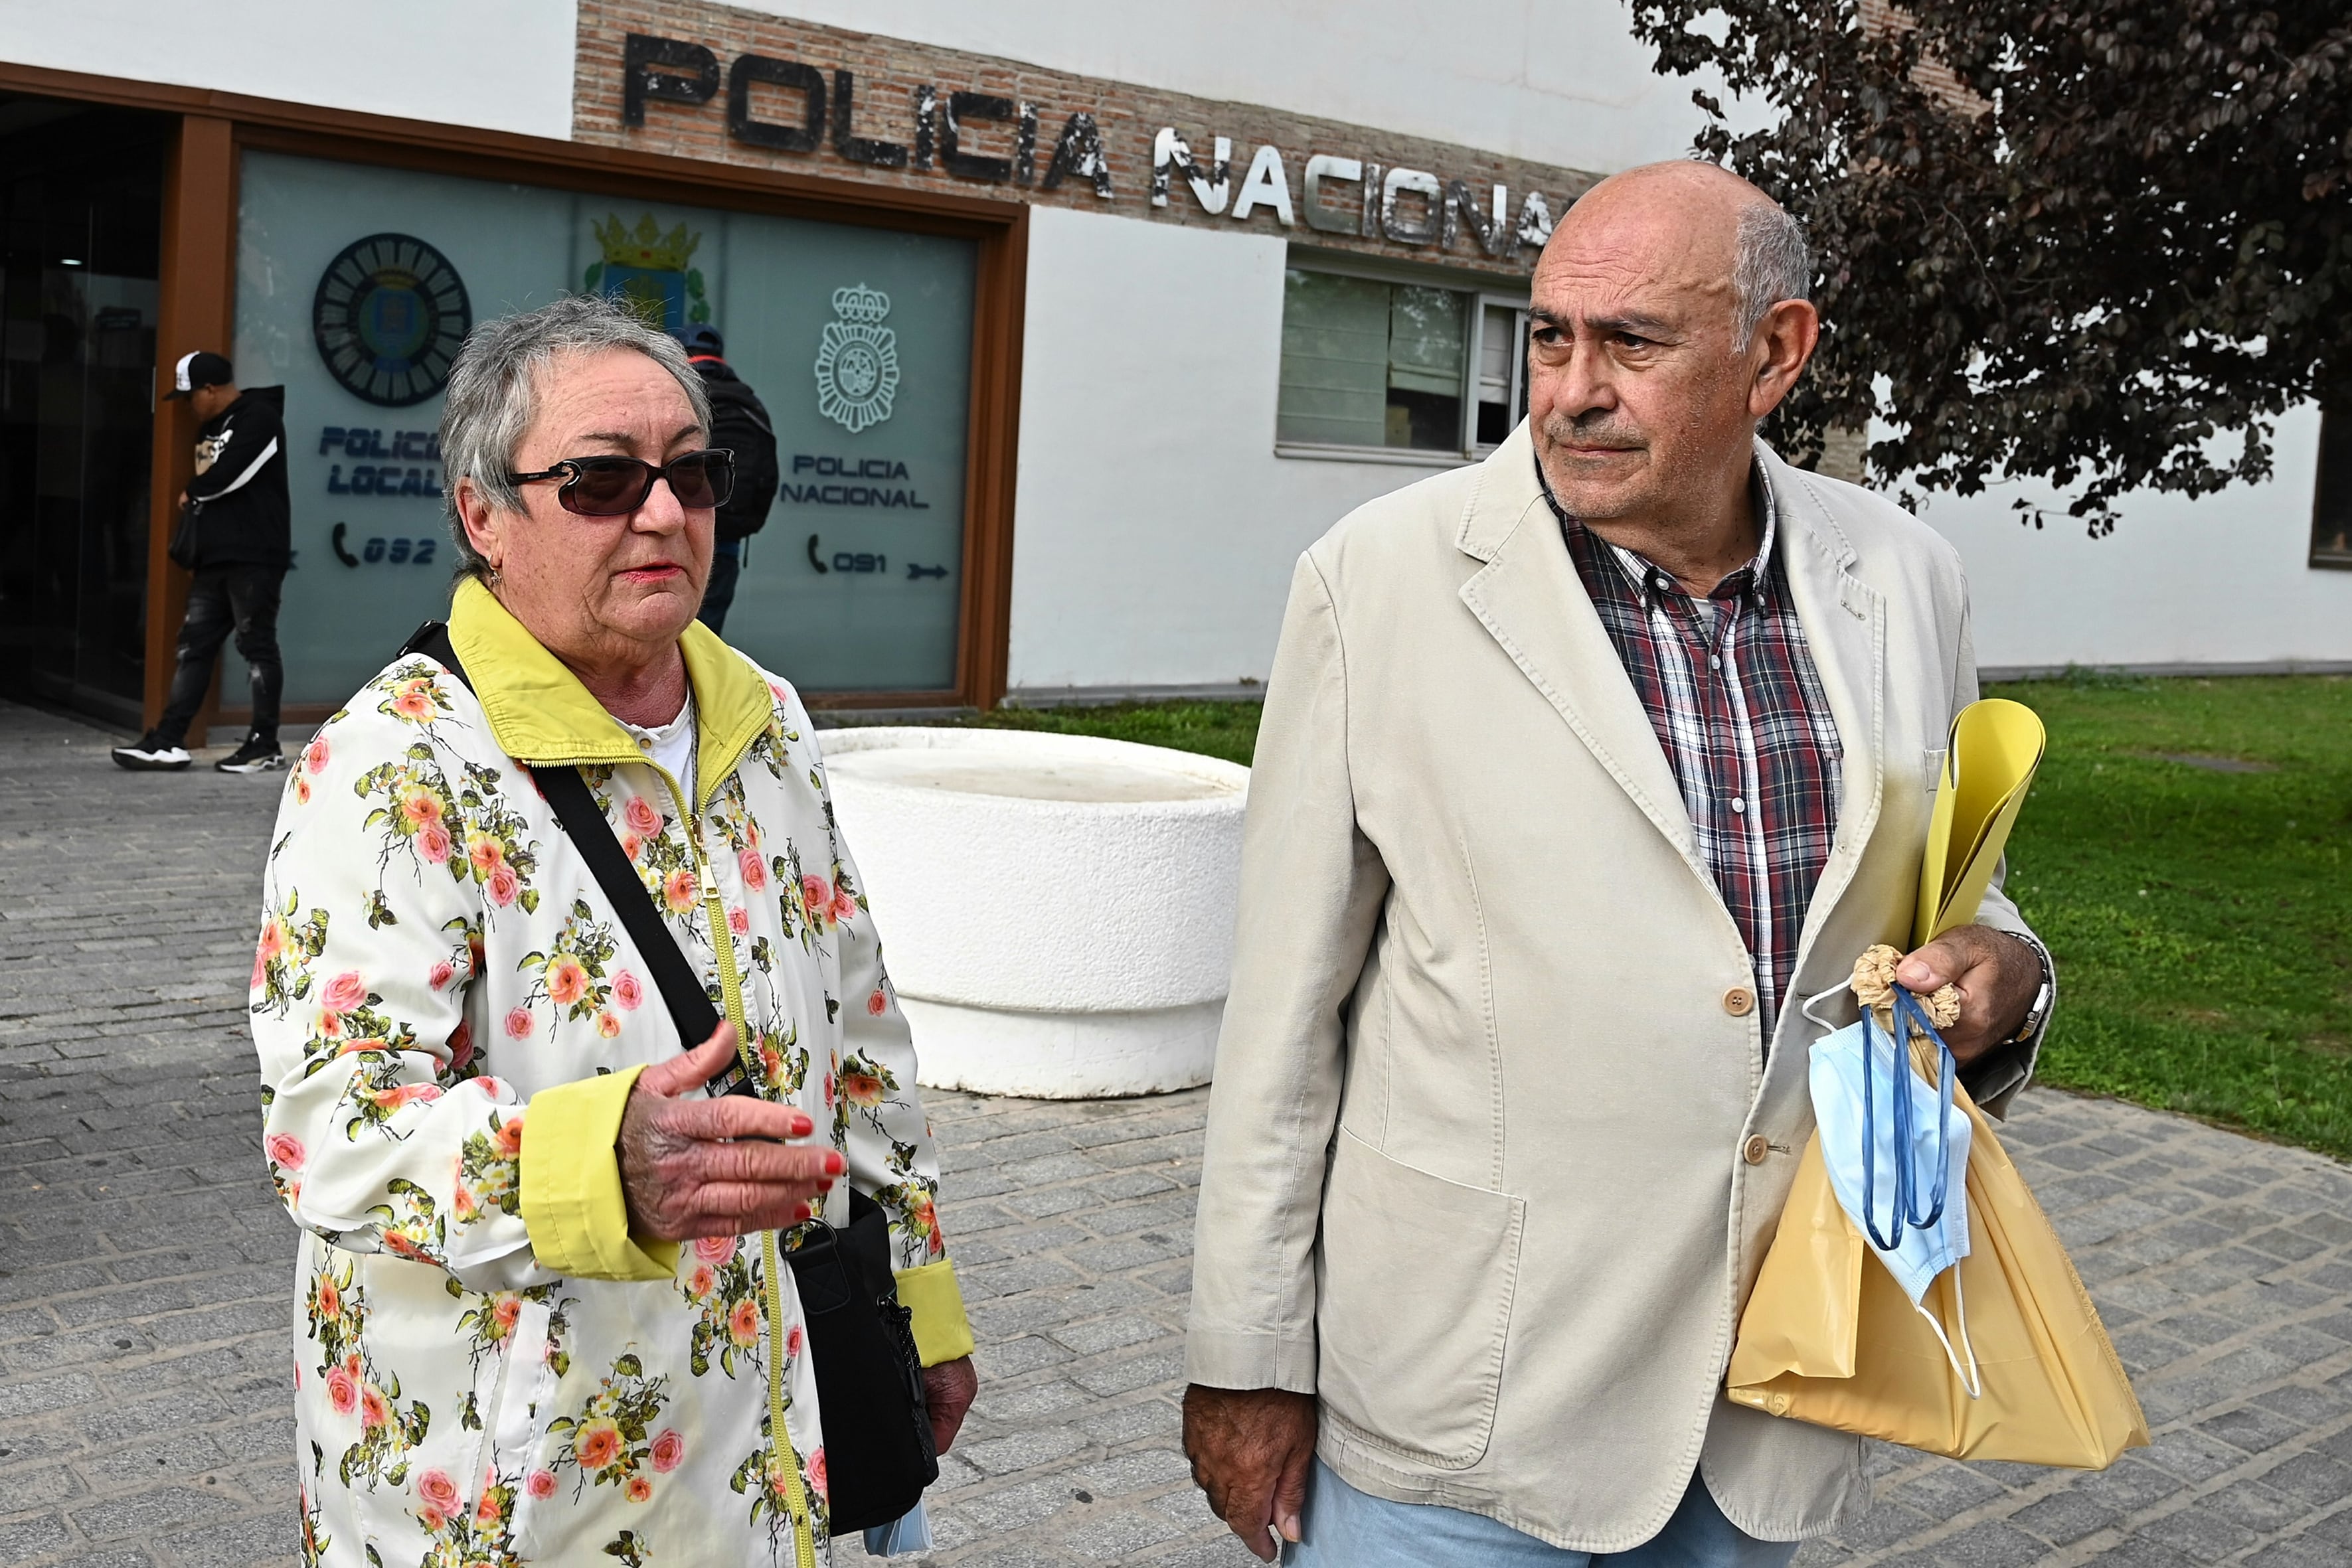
[{"x": 80, "y": 211}]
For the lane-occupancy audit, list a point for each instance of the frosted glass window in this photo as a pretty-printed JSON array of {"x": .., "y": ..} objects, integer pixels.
[
  {"x": 855, "y": 584},
  {"x": 1368, "y": 363},
  {"x": 1335, "y": 350}
]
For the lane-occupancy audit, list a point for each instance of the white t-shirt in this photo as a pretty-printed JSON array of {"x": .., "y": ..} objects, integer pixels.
[{"x": 671, "y": 745}]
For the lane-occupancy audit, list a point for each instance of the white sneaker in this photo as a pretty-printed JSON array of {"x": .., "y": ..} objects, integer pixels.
[
  {"x": 256, "y": 756},
  {"x": 150, "y": 755}
]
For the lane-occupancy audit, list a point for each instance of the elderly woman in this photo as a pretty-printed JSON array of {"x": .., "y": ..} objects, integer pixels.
[{"x": 542, "y": 1317}]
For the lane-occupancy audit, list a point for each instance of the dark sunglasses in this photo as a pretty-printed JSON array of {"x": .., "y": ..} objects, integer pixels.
[{"x": 615, "y": 486}]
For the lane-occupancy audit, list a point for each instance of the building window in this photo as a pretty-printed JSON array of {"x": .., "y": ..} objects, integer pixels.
[
  {"x": 1402, "y": 367},
  {"x": 2331, "y": 502}
]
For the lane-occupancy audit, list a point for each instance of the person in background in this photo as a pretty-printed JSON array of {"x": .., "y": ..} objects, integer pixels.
[
  {"x": 236, "y": 538},
  {"x": 739, "y": 422}
]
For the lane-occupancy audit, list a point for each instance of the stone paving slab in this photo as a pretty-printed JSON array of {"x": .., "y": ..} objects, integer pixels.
[{"x": 145, "y": 1269}]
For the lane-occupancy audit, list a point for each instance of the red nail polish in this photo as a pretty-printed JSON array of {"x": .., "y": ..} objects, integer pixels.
[{"x": 834, "y": 1165}]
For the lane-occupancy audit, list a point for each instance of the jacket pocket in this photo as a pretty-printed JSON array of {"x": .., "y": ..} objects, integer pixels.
[
  {"x": 1417, "y": 1277},
  {"x": 517, "y": 1424}
]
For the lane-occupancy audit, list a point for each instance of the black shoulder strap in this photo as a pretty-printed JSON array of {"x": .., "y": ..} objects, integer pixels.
[
  {"x": 575, "y": 809},
  {"x": 592, "y": 835}
]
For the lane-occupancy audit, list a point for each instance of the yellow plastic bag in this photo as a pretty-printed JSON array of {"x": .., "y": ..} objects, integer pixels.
[{"x": 1828, "y": 1337}]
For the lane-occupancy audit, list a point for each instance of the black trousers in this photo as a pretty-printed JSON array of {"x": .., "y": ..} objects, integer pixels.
[
  {"x": 243, "y": 598},
  {"x": 726, "y": 566}
]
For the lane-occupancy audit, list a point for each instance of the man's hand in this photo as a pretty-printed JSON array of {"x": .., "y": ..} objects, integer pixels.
[
  {"x": 686, "y": 1169},
  {"x": 948, "y": 1390},
  {"x": 1997, "y": 975},
  {"x": 1251, "y": 1450}
]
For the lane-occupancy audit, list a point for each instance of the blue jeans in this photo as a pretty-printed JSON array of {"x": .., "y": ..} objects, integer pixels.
[{"x": 1345, "y": 1528}]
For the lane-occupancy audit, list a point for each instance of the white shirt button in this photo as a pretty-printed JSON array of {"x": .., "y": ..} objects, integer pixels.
[
  {"x": 1738, "y": 804},
  {"x": 1715, "y": 661}
]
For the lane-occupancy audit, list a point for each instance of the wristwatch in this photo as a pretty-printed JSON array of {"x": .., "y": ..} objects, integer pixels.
[{"x": 2048, "y": 992}]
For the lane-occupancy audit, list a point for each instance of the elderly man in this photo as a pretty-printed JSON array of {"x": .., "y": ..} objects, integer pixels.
[
  {"x": 542, "y": 1315},
  {"x": 1580, "y": 769}
]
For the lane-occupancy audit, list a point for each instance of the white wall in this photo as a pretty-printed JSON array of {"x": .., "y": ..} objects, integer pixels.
[
  {"x": 1154, "y": 528},
  {"x": 2219, "y": 580},
  {"x": 1558, "y": 81},
  {"x": 505, "y": 66}
]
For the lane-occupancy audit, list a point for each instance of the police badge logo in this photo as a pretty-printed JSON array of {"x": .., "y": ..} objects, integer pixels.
[{"x": 858, "y": 361}]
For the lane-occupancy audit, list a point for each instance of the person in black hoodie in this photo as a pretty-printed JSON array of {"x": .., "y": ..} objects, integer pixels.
[
  {"x": 234, "y": 535},
  {"x": 739, "y": 422}
]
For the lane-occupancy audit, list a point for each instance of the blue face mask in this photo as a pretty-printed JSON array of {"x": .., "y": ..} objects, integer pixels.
[{"x": 1896, "y": 1150}]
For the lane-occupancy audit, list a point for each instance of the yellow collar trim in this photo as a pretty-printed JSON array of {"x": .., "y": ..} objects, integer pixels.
[{"x": 540, "y": 713}]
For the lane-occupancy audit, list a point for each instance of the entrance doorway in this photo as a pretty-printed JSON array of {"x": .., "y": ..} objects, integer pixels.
[{"x": 80, "y": 219}]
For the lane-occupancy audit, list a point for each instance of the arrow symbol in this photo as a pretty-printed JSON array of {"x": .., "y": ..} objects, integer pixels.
[{"x": 914, "y": 571}]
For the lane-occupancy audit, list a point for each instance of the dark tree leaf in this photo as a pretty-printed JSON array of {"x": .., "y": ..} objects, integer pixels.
[{"x": 2103, "y": 243}]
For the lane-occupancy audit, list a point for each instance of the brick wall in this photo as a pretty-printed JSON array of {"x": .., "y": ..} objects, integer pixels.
[{"x": 889, "y": 73}]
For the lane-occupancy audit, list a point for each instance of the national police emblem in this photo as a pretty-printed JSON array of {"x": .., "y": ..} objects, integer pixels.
[{"x": 858, "y": 361}]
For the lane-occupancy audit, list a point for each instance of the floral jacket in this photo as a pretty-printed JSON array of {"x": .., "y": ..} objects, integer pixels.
[{"x": 491, "y": 1369}]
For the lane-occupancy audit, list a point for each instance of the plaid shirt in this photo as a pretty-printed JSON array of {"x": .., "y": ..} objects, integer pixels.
[{"x": 1730, "y": 688}]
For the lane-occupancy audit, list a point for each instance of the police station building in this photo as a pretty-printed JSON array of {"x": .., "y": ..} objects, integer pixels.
[{"x": 1076, "y": 323}]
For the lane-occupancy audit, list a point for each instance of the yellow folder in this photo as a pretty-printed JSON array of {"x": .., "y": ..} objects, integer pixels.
[{"x": 1996, "y": 745}]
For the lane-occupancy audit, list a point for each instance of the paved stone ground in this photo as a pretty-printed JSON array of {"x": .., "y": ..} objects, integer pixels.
[{"x": 144, "y": 1281}]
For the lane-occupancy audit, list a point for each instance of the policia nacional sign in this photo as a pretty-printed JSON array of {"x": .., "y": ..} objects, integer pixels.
[{"x": 710, "y": 82}]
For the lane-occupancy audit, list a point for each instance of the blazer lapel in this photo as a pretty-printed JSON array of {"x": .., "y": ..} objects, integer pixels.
[
  {"x": 1844, "y": 620},
  {"x": 1531, "y": 602}
]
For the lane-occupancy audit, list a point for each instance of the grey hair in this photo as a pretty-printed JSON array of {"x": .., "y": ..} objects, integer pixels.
[
  {"x": 494, "y": 383},
  {"x": 1773, "y": 263}
]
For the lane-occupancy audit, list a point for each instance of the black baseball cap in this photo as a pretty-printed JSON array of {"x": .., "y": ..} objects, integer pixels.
[
  {"x": 201, "y": 369},
  {"x": 703, "y": 338}
]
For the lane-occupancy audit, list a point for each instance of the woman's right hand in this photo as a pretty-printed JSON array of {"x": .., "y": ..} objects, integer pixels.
[{"x": 692, "y": 1165}]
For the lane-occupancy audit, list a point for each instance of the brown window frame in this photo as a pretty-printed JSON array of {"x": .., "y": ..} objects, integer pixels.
[
  {"x": 2339, "y": 492},
  {"x": 198, "y": 303}
]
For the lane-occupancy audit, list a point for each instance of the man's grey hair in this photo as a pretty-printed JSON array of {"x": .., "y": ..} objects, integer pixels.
[
  {"x": 1774, "y": 262},
  {"x": 495, "y": 383}
]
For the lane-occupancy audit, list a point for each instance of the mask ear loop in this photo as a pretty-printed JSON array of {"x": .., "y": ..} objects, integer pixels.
[{"x": 1807, "y": 1007}]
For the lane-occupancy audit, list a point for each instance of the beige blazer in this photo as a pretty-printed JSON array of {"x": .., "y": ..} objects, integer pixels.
[{"x": 1482, "y": 1169}]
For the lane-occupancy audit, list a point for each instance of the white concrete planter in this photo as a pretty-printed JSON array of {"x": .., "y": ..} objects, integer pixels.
[{"x": 1056, "y": 910}]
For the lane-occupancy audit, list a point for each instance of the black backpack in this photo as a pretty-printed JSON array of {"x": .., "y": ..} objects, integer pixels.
[{"x": 739, "y": 422}]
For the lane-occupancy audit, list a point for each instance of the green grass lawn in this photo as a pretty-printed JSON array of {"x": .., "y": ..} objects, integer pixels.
[
  {"x": 1214, "y": 729},
  {"x": 2201, "y": 918},
  {"x": 2202, "y": 915}
]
